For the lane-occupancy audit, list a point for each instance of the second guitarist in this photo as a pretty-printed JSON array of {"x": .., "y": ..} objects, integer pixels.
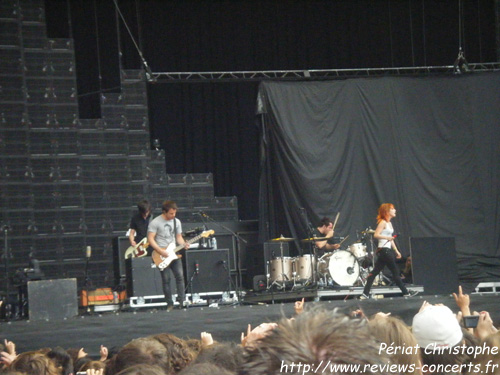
[
  {"x": 162, "y": 231},
  {"x": 139, "y": 226}
]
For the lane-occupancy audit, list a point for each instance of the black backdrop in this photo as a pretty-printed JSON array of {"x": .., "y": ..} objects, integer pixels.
[{"x": 429, "y": 145}]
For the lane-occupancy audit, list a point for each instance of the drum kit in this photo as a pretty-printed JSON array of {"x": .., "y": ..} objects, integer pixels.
[{"x": 342, "y": 267}]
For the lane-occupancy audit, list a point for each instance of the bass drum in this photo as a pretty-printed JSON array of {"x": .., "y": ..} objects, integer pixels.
[{"x": 343, "y": 267}]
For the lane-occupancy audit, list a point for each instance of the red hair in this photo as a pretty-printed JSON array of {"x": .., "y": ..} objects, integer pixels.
[{"x": 383, "y": 212}]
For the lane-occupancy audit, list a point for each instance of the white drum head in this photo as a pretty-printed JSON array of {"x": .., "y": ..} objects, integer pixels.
[{"x": 343, "y": 267}]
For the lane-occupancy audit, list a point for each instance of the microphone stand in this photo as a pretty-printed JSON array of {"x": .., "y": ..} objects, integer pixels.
[
  {"x": 87, "y": 278},
  {"x": 190, "y": 285},
  {"x": 230, "y": 283},
  {"x": 236, "y": 254}
]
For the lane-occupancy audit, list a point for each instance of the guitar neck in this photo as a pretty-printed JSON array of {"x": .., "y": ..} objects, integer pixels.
[{"x": 194, "y": 239}]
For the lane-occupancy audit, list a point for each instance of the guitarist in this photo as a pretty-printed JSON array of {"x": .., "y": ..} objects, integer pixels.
[
  {"x": 139, "y": 224},
  {"x": 162, "y": 231}
]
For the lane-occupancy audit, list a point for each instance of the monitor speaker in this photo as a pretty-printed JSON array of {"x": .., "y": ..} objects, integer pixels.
[
  {"x": 208, "y": 270},
  {"x": 434, "y": 264},
  {"x": 52, "y": 299}
]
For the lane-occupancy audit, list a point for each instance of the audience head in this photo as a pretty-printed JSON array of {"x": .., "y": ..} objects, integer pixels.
[
  {"x": 178, "y": 351},
  {"x": 435, "y": 326},
  {"x": 143, "y": 369},
  {"x": 62, "y": 360},
  {"x": 35, "y": 363},
  {"x": 437, "y": 332},
  {"x": 394, "y": 332},
  {"x": 312, "y": 337},
  {"x": 485, "y": 361},
  {"x": 140, "y": 351},
  {"x": 223, "y": 355},
  {"x": 205, "y": 369}
]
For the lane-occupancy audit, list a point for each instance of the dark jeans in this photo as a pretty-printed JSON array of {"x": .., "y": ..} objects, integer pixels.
[
  {"x": 176, "y": 267},
  {"x": 385, "y": 257}
]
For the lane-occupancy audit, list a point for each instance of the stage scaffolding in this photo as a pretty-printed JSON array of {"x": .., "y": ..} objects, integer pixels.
[{"x": 258, "y": 75}]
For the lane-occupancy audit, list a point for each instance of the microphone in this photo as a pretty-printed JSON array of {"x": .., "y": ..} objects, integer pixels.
[
  {"x": 88, "y": 252},
  {"x": 196, "y": 267}
]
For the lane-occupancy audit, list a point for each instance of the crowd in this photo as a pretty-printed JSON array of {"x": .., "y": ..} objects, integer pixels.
[{"x": 314, "y": 341}]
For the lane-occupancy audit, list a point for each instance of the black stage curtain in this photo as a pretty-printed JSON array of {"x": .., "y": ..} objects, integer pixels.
[{"x": 429, "y": 145}]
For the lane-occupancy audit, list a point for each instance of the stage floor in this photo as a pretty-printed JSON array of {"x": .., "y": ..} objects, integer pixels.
[{"x": 225, "y": 323}]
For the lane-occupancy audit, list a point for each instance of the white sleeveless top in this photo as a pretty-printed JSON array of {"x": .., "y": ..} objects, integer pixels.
[{"x": 386, "y": 232}]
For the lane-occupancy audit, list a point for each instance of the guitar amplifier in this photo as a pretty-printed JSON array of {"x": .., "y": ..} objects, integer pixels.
[{"x": 143, "y": 280}]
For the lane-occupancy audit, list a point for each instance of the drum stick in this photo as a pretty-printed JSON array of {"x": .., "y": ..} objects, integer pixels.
[
  {"x": 341, "y": 242},
  {"x": 336, "y": 219}
]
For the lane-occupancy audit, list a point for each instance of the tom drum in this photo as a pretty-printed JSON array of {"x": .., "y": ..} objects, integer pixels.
[
  {"x": 281, "y": 269},
  {"x": 358, "y": 250},
  {"x": 305, "y": 266}
]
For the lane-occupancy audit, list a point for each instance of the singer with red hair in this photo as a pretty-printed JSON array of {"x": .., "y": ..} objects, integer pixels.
[{"x": 387, "y": 251}]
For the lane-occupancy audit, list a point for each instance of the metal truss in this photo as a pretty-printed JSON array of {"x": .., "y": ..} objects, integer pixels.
[{"x": 317, "y": 73}]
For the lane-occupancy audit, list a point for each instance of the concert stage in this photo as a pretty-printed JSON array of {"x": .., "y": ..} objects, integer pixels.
[
  {"x": 324, "y": 294},
  {"x": 225, "y": 323}
]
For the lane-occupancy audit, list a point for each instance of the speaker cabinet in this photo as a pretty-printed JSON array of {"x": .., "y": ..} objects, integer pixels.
[
  {"x": 242, "y": 248},
  {"x": 52, "y": 299},
  {"x": 434, "y": 264},
  {"x": 143, "y": 279},
  {"x": 213, "y": 272}
]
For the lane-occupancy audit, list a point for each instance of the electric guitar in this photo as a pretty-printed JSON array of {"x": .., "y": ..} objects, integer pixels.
[
  {"x": 163, "y": 262},
  {"x": 138, "y": 250}
]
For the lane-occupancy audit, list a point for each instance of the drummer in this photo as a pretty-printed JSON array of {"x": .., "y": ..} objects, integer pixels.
[{"x": 325, "y": 229}]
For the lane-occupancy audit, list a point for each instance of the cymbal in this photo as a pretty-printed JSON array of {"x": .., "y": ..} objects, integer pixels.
[
  {"x": 369, "y": 231},
  {"x": 283, "y": 239},
  {"x": 314, "y": 239}
]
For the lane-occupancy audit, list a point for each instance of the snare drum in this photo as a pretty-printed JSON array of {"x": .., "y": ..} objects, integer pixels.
[
  {"x": 358, "y": 250},
  {"x": 304, "y": 266},
  {"x": 281, "y": 269}
]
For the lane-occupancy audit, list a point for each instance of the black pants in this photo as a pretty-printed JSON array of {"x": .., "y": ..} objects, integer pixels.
[
  {"x": 385, "y": 257},
  {"x": 176, "y": 267}
]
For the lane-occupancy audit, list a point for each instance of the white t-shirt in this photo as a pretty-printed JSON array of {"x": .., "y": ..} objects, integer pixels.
[{"x": 164, "y": 230}]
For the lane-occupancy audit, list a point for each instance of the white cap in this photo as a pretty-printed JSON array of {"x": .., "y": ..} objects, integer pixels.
[{"x": 436, "y": 326}]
